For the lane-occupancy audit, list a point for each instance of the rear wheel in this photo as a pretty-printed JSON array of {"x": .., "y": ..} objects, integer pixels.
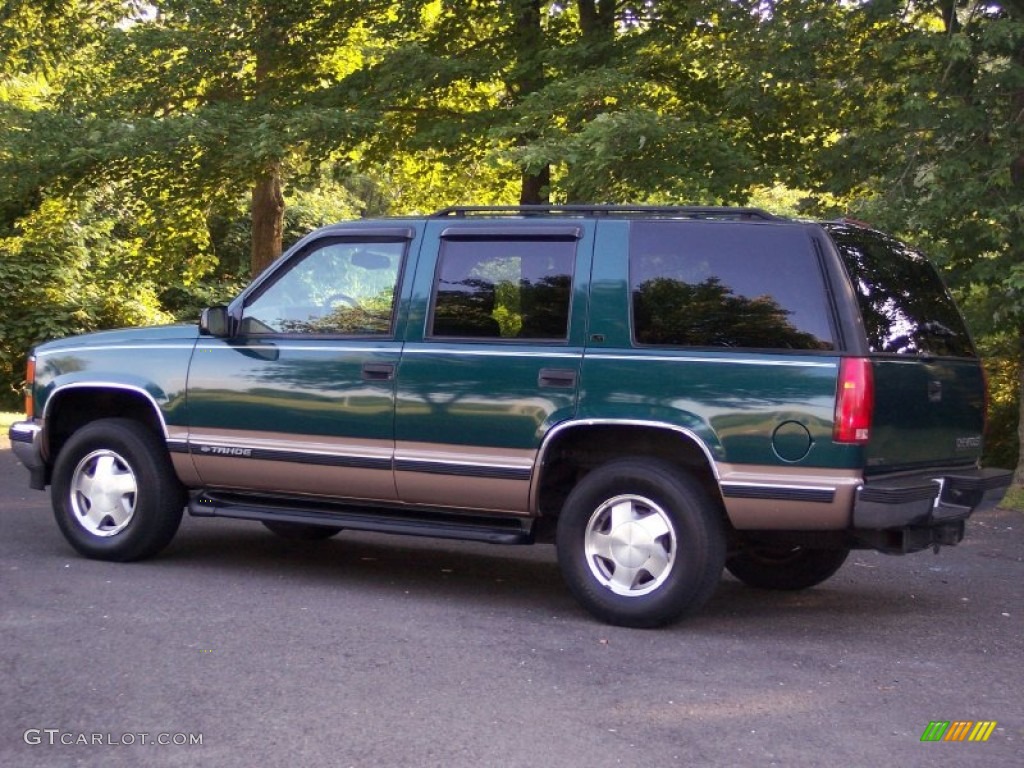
[
  {"x": 639, "y": 544},
  {"x": 302, "y": 531},
  {"x": 115, "y": 495},
  {"x": 785, "y": 568}
]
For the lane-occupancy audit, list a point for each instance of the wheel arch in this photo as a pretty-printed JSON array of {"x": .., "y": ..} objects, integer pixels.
[
  {"x": 72, "y": 406},
  {"x": 573, "y": 449}
]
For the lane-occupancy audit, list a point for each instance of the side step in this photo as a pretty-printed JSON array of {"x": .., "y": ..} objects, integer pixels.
[{"x": 405, "y": 521}]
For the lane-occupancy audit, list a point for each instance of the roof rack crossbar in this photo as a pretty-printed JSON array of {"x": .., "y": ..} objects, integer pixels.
[{"x": 690, "y": 211}]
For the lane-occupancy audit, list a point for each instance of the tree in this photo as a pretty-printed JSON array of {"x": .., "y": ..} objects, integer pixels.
[
  {"x": 199, "y": 97},
  {"x": 932, "y": 145},
  {"x": 597, "y": 100}
]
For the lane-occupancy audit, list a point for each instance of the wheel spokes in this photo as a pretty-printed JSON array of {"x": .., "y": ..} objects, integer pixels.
[
  {"x": 103, "y": 493},
  {"x": 625, "y": 578},
  {"x": 630, "y": 545},
  {"x": 622, "y": 512},
  {"x": 655, "y": 524},
  {"x": 657, "y": 563}
]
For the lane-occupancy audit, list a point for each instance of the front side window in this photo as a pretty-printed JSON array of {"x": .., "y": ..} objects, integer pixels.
[
  {"x": 339, "y": 287},
  {"x": 503, "y": 289},
  {"x": 723, "y": 284}
]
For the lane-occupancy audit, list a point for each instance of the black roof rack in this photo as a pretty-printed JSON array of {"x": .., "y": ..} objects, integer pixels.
[{"x": 677, "y": 211}]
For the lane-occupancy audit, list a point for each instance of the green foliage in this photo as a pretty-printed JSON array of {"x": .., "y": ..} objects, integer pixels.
[
  {"x": 66, "y": 272},
  {"x": 1003, "y": 369},
  {"x": 654, "y": 102},
  {"x": 1014, "y": 499},
  {"x": 668, "y": 311},
  {"x": 931, "y": 146},
  {"x": 508, "y": 308}
]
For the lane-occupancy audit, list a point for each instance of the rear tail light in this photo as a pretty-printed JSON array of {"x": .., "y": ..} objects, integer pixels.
[
  {"x": 855, "y": 401},
  {"x": 30, "y": 380}
]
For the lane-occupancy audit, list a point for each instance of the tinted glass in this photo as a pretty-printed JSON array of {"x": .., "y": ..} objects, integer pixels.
[
  {"x": 906, "y": 308},
  {"x": 338, "y": 288},
  {"x": 503, "y": 289},
  {"x": 724, "y": 284}
]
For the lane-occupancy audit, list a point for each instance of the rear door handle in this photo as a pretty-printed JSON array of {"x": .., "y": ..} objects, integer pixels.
[
  {"x": 556, "y": 377},
  {"x": 378, "y": 371}
]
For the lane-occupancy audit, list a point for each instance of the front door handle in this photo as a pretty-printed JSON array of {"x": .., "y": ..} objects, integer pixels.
[
  {"x": 564, "y": 378},
  {"x": 378, "y": 371}
]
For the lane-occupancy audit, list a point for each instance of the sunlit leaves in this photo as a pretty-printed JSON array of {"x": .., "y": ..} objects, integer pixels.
[{"x": 70, "y": 268}]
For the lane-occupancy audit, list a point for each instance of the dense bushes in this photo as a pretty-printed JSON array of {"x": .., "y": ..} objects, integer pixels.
[{"x": 65, "y": 271}]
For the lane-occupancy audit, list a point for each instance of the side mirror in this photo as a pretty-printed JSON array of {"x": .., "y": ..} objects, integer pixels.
[{"x": 214, "y": 321}]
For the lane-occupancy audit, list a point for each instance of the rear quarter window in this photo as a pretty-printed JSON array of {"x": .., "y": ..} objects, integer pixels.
[
  {"x": 903, "y": 301},
  {"x": 727, "y": 284}
]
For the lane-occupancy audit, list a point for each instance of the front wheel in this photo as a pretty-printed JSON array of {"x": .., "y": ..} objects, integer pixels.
[
  {"x": 639, "y": 543},
  {"x": 785, "y": 568},
  {"x": 115, "y": 495}
]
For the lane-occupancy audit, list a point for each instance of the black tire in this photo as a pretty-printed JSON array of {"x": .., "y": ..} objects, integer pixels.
[
  {"x": 115, "y": 495},
  {"x": 301, "y": 531},
  {"x": 667, "y": 558},
  {"x": 785, "y": 568}
]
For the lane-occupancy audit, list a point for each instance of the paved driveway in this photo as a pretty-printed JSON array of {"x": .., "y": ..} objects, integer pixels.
[{"x": 379, "y": 651}]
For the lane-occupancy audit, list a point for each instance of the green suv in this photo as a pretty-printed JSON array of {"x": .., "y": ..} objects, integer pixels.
[{"x": 663, "y": 392}]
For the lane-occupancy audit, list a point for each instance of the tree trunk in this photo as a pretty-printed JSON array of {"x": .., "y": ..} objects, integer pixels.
[
  {"x": 536, "y": 187},
  {"x": 597, "y": 35},
  {"x": 1018, "y": 475},
  {"x": 597, "y": 22},
  {"x": 267, "y": 201},
  {"x": 528, "y": 77},
  {"x": 1016, "y": 8},
  {"x": 267, "y": 219}
]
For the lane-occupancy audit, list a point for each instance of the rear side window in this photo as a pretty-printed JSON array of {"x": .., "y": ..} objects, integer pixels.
[
  {"x": 503, "y": 289},
  {"x": 726, "y": 284},
  {"x": 905, "y": 305}
]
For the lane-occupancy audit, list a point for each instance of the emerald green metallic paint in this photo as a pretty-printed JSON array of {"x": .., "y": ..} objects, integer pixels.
[
  {"x": 488, "y": 396},
  {"x": 732, "y": 400},
  {"x": 609, "y": 288},
  {"x": 303, "y": 387},
  {"x": 150, "y": 361},
  {"x": 486, "y": 393},
  {"x": 928, "y": 412},
  {"x": 300, "y": 384},
  {"x": 791, "y": 441},
  {"x": 299, "y": 412}
]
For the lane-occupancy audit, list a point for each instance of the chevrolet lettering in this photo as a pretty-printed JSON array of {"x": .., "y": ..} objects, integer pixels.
[{"x": 663, "y": 393}]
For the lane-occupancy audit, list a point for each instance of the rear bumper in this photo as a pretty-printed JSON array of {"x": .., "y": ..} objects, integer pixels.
[
  {"x": 26, "y": 442},
  {"x": 914, "y": 512},
  {"x": 917, "y": 500}
]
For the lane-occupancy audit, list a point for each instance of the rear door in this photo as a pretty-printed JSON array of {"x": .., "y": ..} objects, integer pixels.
[
  {"x": 929, "y": 385},
  {"x": 491, "y": 359}
]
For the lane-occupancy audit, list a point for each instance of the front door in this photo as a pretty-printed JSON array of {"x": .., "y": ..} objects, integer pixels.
[{"x": 301, "y": 399}]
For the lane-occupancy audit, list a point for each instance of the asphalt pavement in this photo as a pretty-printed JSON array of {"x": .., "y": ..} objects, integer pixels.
[{"x": 236, "y": 648}]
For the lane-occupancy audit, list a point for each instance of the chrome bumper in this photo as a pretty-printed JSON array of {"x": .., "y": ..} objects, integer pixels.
[
  {"x": 925, "y": 501},
  {"x": 26, "y": 442}
]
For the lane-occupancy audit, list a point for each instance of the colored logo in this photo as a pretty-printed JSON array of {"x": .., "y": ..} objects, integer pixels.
[{"x": 958, "y": 730}]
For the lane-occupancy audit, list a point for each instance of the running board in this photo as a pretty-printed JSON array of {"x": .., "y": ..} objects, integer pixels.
[{"x": 431, "y": 523}]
